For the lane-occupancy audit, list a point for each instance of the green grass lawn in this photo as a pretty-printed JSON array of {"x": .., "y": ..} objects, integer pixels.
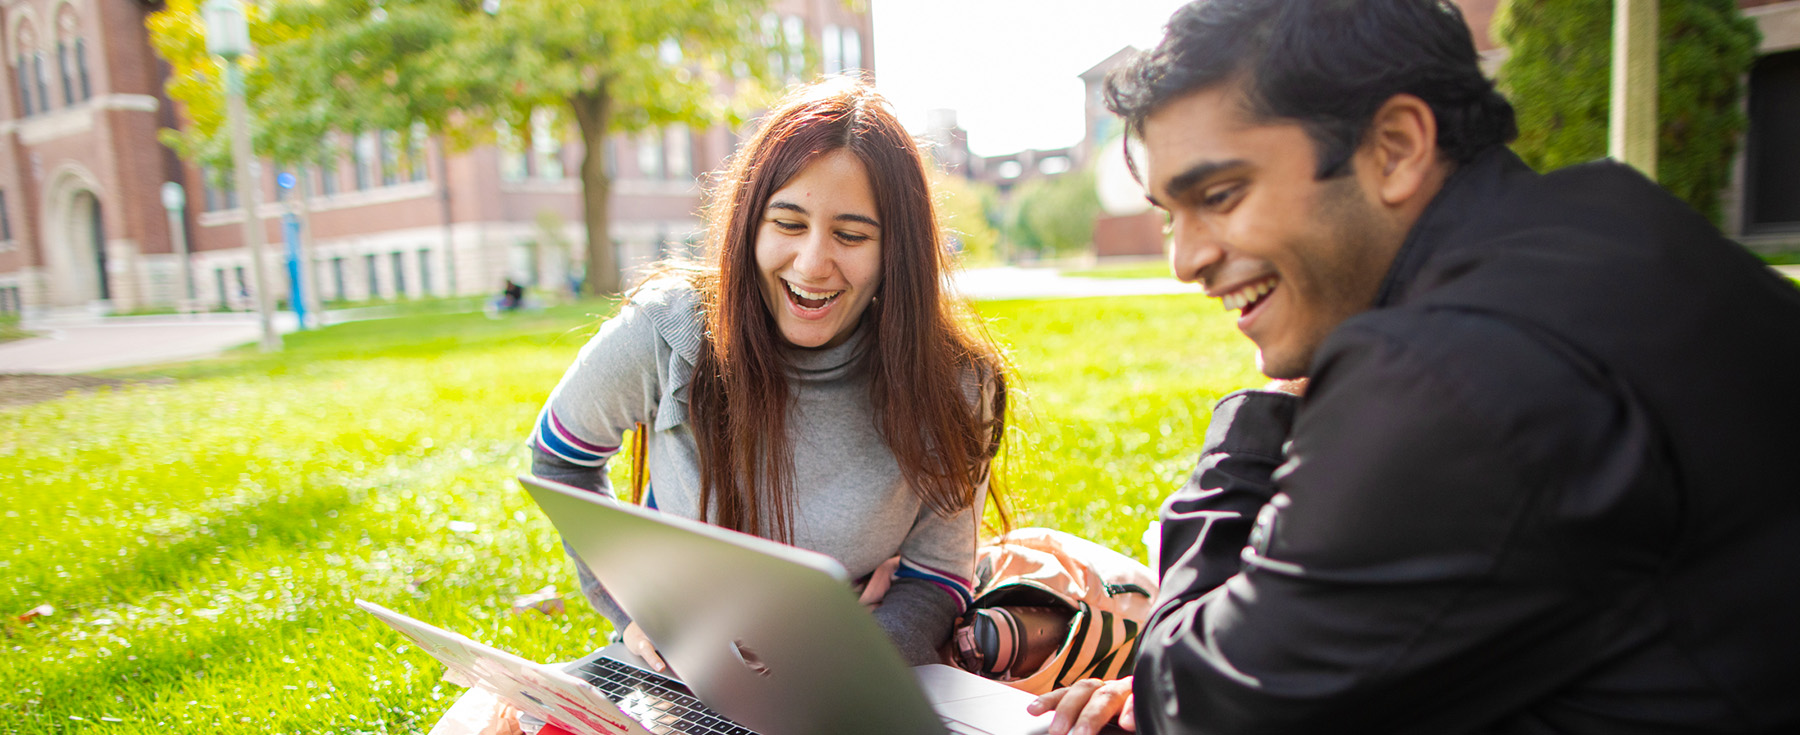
[
  {"x": 201, "y": 541},
  {"x": 10, "y": 329}
]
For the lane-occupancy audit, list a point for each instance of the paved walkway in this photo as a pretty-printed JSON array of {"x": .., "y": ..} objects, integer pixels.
[
  {"x": 75, "y": 341},
  {"x": 71, "y": 342}
]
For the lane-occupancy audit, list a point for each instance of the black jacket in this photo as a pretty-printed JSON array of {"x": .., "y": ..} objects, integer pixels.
[{"x": 1549, "y": 483}]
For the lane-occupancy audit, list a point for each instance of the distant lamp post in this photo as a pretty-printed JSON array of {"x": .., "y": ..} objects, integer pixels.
[
  {"x": 174, "y": 201},
  {"x": 228, "y": 37}
]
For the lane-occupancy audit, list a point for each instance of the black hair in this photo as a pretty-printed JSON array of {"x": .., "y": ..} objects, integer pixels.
[{"x": 1327, "y": 65}]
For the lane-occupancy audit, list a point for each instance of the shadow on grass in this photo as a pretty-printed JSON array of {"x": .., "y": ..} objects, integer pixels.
[
  {"x": 291, "y": 522},
  {"x": 200, "y": 681}
]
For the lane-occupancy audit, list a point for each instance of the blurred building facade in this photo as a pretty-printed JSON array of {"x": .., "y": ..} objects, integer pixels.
[
  {"x": 1762, "y": 204},
  {"x": 82, "y": 223}
]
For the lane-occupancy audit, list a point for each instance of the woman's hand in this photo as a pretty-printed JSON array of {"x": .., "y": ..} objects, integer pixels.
[
  {"x": 1086, "y": 706},
  {"x": 879, "y": 581},
  {"x": 640, "y": 645}
]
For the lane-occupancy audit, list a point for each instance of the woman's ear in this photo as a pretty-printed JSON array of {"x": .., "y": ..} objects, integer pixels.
[{"x": 1401, "y": 152}]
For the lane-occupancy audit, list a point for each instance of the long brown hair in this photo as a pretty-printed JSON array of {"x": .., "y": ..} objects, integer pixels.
[{"x": 920, "y": 354}]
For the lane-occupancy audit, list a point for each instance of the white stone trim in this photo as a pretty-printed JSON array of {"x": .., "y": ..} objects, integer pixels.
[
  {"x": 656, "y": 187},
  {"x": 341, "y": 200},
  {"x": 128, "y": 102},
  {"x": 1780, "y": 26},
  {"x": 17, "y": 15},
  {"x": 75, "y": 119},
  {"x": 541, "y": 186}
]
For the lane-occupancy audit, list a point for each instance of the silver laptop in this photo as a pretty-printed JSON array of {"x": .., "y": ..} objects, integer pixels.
[
  {"x": 769, "y": 635},
  {"x": 565, "y": 695}
]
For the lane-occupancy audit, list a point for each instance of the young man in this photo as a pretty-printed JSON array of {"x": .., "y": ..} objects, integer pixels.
[{"x": 1539, "y": 479}]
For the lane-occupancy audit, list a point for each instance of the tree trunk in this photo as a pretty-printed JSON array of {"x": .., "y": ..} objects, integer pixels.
[{"x": 591, "y": 112}]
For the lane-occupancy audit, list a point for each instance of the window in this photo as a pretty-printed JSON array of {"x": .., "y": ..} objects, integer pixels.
[
  {"x": 1772, "y": 153},
  {"x": 425, "y": 271},
  {"x": 832, "y": 47},
  {"x": 71, "y": 58},
  {"x": 514, "y": 165},
  {"x": 793, "y": 31},
  {"x": 68, "y": 81},
  {"x": 81, "y": 70},
  {"x": 399, "y": 273},
  {"x": 680, "y": 153},
  {"x": 328, "y": 160},
  {"x": 852, "y": 49},
  {"x": 389, "y": 145},
  {"x": 5, "y": 218},
  {"x": 325, "y": 178},
  {"x": 23, "y": 69},
  {"x": 243, "y": 284},
  {"x": 219, "y": 195},
  {"x": 362, "y": 159},
  {"x": 224, "y": 294},
  {"x": 415, "y": 152},
  {"x": 650, "y": 155},
  {"x": 546, "y": 145},
  {"x": 43, "y": 87},
  {"x": 337, "y": 277},
  {"x": 374, "y": 279}
]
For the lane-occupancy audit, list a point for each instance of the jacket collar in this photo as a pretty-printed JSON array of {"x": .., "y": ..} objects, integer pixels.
[{"x": 1471, "y": 188}]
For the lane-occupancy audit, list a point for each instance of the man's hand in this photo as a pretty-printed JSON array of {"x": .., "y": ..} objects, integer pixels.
[
  {"x": 1086, "y": 706},
  {"x": 639, "y": 644}
]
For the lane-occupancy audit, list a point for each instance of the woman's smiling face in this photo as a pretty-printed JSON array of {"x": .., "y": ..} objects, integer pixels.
[{"x": 818, "y": 251}]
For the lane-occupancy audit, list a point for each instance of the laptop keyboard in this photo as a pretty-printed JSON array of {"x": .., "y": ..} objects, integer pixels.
[{"x": 664, "y": 706}]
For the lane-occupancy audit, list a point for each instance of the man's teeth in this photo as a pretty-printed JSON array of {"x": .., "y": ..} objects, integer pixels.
[
  {"x": 1245, "y": 296},
  {"x": 811, "y": 295}
]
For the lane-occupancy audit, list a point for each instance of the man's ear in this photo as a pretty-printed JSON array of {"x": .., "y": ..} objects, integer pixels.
[{"x": 1401, "y": 151}]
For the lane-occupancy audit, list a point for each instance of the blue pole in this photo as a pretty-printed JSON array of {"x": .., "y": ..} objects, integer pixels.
[{"x": 290, "y": 228}]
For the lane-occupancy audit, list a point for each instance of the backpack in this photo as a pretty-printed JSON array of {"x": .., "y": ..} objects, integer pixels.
[{"x": 1110, "y": 595}]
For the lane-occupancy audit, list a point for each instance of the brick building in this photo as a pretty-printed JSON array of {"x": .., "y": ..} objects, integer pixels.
[{"x": 82, "y": 223}]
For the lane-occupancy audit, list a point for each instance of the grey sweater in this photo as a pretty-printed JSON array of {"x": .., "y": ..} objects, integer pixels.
[{"x": 850, "y": 501}]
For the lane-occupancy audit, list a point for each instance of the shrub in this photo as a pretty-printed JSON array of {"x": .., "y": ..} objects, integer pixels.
[{"x": 1559, "y": 78}]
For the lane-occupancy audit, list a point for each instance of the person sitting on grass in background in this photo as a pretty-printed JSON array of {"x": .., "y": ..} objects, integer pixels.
[{"x": 1539, "y": 479}]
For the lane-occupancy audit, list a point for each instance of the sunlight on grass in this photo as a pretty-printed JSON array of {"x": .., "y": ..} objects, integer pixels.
[{"x": 201, "y": 541}]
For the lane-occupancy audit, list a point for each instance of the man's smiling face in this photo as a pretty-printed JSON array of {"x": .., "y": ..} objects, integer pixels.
[{"x": 1249, "y": 220}]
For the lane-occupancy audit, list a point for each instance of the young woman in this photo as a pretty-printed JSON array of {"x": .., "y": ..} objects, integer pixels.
[{"x": 810, "y": 382}]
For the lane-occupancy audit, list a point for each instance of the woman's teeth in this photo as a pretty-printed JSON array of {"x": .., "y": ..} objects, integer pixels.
[{"x": 811, "y": 299}]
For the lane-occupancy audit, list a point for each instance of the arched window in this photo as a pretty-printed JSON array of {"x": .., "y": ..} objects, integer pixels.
[
  {"x": 29, "y": 103},
  {"x": 71, "y": 57}
]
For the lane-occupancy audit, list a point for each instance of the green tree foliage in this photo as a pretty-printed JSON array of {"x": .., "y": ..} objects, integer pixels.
[
  {"x": 1054, "y": 216},
  {"x": 1559, "y": 78},
  {"x": 285, "y": 128},
  {"x": 966, "y": 210},
  {"x": 457, "y": 67}
]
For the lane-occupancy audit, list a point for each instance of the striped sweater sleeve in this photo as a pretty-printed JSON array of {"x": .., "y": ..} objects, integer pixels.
[{"x": 612, "y": 385}]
